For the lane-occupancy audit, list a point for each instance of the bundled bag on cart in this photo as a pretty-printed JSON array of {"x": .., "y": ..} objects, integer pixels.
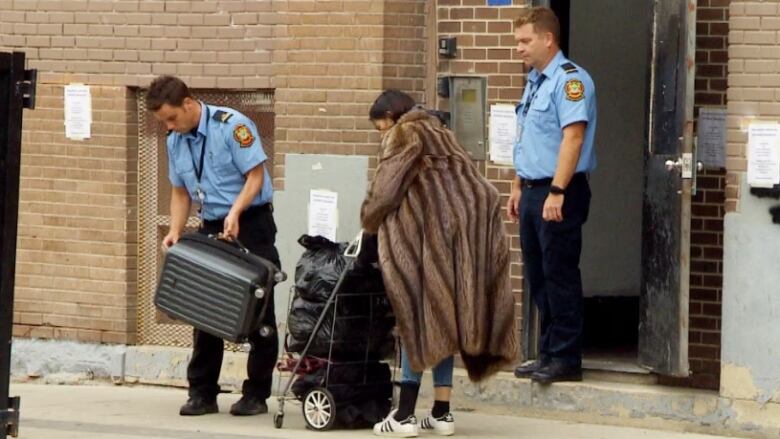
[
  {"x": 216, "y": 286},
  {"x": 362, "y": 391},
  {"x": 367, "y": 330},
  {"x": 319, "y": 268},
  {"x": 364, "y": 318}
]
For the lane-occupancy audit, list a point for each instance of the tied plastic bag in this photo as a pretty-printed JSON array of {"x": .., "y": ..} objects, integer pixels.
[
  {"x": 319, "y": 268},
  {"x": 323, "y": 261}
]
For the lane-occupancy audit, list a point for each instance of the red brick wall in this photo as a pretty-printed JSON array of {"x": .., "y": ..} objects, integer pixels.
[
  {"x": 326, "y": 61},
  {"x": 76, "y": 265},
  {"x": 331, "y": 60}
]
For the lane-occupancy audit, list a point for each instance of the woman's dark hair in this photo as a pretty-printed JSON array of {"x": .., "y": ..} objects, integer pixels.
[
  {"x": 391, "y": 103},
  {"x": 166, "y": 90}
]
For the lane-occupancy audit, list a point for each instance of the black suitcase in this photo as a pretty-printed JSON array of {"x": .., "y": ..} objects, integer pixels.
[{"x": 216, "y": 286}]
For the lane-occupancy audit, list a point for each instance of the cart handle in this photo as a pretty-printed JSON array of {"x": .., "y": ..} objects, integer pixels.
[{"x": 353, "y": 249}]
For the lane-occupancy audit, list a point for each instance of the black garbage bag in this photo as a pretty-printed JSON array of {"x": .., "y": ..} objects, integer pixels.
[
  {"x": 363, "y": 326},
  {"x": 319, "y": 268},
  {"x": 362, "y": 391}
]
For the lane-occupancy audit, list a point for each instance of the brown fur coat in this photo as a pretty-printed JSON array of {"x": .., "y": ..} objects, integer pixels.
[{"x": 443, "y": 250}]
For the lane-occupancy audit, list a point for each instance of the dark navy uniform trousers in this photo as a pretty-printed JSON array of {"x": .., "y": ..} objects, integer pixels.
[
  {"x": 257, "y": 231},
  {"x": 551, "y": 256}
]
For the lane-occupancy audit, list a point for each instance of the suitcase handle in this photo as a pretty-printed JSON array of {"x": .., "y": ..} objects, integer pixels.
[{"x": 235, "y": 241}]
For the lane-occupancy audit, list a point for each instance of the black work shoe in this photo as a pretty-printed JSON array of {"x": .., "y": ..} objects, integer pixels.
[
  {"x": 526, "y": 370},
  {"x": 248, "y": 405},
  {"x": 198, "y": 405},
  {"x": 556, "y": 372}
]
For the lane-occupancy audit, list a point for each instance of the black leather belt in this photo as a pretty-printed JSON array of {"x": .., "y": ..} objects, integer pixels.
[{"x": 544, "y": 182}]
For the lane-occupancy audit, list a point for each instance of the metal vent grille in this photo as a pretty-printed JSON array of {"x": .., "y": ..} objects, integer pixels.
[{"x": 155, "y": 328}]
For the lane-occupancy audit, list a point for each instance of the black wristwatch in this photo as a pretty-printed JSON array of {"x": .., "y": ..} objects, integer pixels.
[{"x": 557, "y": 190}]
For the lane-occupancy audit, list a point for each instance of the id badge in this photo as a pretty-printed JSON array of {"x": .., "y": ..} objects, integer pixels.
[
  {"x": 519, "y": 134},
  {"x": 201, "y": 199}
]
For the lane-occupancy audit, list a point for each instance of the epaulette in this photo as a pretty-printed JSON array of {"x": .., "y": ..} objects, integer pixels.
[
  {"x": 222, "y": 116},
  {"x": 568, "y": 67}
]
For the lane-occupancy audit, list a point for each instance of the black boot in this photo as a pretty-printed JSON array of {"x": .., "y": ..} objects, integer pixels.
[
  {"x": 526, "y": 370},
  {"x": 248, "y": 405},
  {"x": 198, "y": 405},
  {"x": 557, "y": 371}
]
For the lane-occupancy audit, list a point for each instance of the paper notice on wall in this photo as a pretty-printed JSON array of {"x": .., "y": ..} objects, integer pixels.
[
  {"x": 763, "y": 154},
  {"x": 78, "y": 112},
  {"x": 323, "y": 213},
  {"x": 712, "y": 137},
  {"x": 503, "y": 126}
]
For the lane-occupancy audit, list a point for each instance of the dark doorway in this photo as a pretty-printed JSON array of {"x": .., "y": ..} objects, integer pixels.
[{"x": 610, "y": 39}]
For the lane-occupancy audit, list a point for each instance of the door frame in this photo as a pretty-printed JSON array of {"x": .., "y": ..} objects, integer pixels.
[{"x": 674, "y": 362}]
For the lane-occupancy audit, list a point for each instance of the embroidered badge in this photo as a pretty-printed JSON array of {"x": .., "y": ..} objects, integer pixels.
[
  {"x": 575, "y": 90},
  {"x": 243, "y": 136}
]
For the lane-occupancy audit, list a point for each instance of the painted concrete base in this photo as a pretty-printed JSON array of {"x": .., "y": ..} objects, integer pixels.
[{"x": 591, "y": 401}]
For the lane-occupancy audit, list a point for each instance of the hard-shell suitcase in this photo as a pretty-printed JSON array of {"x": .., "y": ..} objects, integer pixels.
[{"x": 216, "y": 286}]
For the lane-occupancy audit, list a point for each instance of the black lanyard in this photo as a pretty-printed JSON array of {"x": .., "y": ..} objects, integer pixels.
[
  {"x": 533, "y": 94},
  {"x": 199, "y": 170}
]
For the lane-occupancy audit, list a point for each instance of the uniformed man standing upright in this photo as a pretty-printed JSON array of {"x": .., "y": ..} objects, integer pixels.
[
  {"x": 550, "y": 197},
  {"x": 215, "y": 158}
]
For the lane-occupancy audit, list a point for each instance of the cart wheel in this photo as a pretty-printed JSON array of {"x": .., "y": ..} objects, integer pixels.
[
  {"x": 319, "y": 409},
  {"x": 278, "y": 420}
]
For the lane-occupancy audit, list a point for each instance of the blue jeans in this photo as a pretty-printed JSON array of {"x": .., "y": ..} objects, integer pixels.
[{"x": 442, "y": 373}]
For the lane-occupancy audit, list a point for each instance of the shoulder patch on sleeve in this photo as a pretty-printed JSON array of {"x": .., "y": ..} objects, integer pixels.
[
  {"x": 569, "y": 67},
  {"x": 575, "y": 90},
  {"x": 222, "y": 116},
  {"x": 243, "y": 135}
]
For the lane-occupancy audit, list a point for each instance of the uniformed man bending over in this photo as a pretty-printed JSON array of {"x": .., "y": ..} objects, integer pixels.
[
  {"x": 553, "y": 156},
  {"x": 215, "y": 158}
]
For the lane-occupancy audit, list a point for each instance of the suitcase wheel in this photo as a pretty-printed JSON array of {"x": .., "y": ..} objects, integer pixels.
[
  {"x": 278, "y": 420},
  {"x": 319, "y": 409}
]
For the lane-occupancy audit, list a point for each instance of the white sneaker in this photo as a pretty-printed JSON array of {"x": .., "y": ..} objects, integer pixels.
[
  {"x": 392, "y": 428},
  {"x": 443, "y": 426}
]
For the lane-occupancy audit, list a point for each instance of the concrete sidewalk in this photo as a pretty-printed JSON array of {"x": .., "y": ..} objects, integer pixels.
[{"x": 135, "y": 412}]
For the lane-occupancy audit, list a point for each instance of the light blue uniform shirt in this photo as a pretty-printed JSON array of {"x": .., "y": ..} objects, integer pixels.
[
  {"x": 230, "y": 153},
  {"x": 562, "y": 94}
]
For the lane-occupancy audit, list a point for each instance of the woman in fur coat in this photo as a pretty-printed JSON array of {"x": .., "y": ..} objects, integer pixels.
[{"x": 444, "y": 256}]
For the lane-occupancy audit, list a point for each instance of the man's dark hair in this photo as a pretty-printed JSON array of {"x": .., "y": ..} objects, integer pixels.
[
  {"x": 166, "y": 90},
  {"x": 391, "y": 103}
]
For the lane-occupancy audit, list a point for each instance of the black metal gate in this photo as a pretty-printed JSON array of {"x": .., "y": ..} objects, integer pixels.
[{"x": 17, "y": 91}]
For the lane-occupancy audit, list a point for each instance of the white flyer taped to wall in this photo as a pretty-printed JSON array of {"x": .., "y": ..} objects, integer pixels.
[
  {"x": 323, "y": 213},
  {"x": 763, "y": 154},
  {"x": 503, "y": 127},
  {"x": 78, "y": 112},
  {"x": 712, "y": 137}
]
